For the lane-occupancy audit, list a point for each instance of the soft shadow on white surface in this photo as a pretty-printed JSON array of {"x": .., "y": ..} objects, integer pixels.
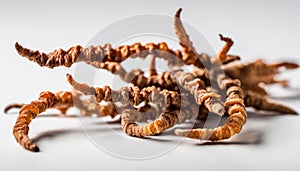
[
  {"x": 252, "y": 136},
  {"x": 62, "y": 140},
  {"x": 260, "y": 29}
]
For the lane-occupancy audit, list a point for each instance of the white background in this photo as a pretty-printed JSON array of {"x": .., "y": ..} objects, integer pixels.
[{"x": 268, "y": 29}]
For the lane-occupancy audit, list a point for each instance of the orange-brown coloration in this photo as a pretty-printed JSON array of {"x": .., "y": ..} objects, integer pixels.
[
  {"x": 236, "y": 117},
  {"x": 11, "y": 106},
  {"x": 215, "y": 85},
  {"x": 166, "y": 120},
  {"x": 30, "y": 111}
]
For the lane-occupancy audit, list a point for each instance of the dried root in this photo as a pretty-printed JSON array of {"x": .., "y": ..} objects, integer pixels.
[
  {"x": 252, "y": 76},
  {"x": 259, "y": 72},
  {"x": 129, "y": 95},
  {"x": 166, "y": 120},
  {"x": 62, "y": 101},
  {"x": 236, "y": 117},
  {"x": 189, "y": 52},
  {"x": 216, "y": 85},
  {"x": 101, "y": 54},
  {"x": 30, "y": 111}
]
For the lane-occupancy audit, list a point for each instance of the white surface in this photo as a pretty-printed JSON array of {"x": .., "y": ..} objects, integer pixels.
[{"x": 259, "y": 29}]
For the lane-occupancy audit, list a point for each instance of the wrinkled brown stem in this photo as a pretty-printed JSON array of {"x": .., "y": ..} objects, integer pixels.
[
  {"x": 166, "y": 120},
  {"x": 197, "y": 88},
  {"x": 190, "y": 55},
  {"x": 263, "y": 103},
  {"x": 126, "y": 95},
  {"x": 30, "y": 111},
  {"x": 102, "y": 54},
  {"x": 89, "y": 107},
  {"x": 236, "y": 117}
]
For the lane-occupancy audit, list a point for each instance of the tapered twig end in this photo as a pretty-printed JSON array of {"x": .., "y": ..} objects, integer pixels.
[
  {"x": 70, "y": 78},
  {"x": 36, "y": 149},
  {"x": 178, "y": 12},
  {"x": 18, "y": 47},
  {"x": 11, "y": 106},
  {"x": 221, "y": 36}
]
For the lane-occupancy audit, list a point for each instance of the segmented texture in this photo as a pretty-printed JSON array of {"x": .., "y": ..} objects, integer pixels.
[
  {"x": 137, "y": 77},
  {"x": 89, "y": 106},
  {"x": 259, "y": 72},
  {"x": 197, "y": 87},
  {"x": 236, "y": 117},
  {"x": 145, "y": 113},
  {"x": 163, "y": 80},
  {"x": 254, "y": 74},
  {"x": 30, "y": 111},
  {"x": 126, "y": 95},
  {"x": 113, "y": 67},
  {"x": 189, "y": 110},
  {"x": 189, "y": 52},
  {"x": 193, "y": 95},
  {"x": 170, "y": 80},
  {"x": 166, "y": 120},
  {"x": 102, "y": 54}
]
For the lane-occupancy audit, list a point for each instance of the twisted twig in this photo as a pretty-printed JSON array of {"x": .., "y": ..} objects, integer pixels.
[{"x": 236, "y": 117}]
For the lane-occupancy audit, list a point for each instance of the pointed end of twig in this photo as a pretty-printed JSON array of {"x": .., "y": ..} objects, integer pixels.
[
  {"x": 178, "y": 12},
  {"x": 36, "y": 149},
  {"x": 226, "y": 39},
  {"x": 81, "y": 87},
  {"x": 221, "y": 37},
  {"x": 291, "y": 65},
  {"x": 11, "y": 106},
  {"x": 18, "y": 47},
  {"x": 32, "y": 147},
  {"x": 293, "y": 112},
  {"x": 17, "y": 44},
  {"x": 6, "y": 109},
  {"x": 70, "y": 78},
  {"x": 68, "y": 75}
]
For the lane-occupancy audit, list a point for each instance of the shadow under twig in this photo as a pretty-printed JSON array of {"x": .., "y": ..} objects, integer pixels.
[
  {"x": 253, "y": 137},
  {"x": 58, "y": 116},
  {"x": 56, "y": 133},
  {"x": 295, "y": 95},
  {"x": 292, "y": 97},
  {"x": 246, "y": 138}
]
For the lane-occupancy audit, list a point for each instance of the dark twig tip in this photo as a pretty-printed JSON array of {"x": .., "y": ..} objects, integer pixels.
[
  {"x": 221, "y": 36},
  {"x": 178, "y": 12},
  {"x": 11, "y": 106},
  {"x": 6, "y": 109},
  {"x": 292, "y": 65},
  {"x": 69, "y": 78},
  {"x": 18, "y": 46},
  {"x": 294, "y": 112},
  {"x": 36, "y": 149}
]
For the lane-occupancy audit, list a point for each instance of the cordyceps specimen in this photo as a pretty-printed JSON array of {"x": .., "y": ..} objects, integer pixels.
[{"x": 217, "y": 85}]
